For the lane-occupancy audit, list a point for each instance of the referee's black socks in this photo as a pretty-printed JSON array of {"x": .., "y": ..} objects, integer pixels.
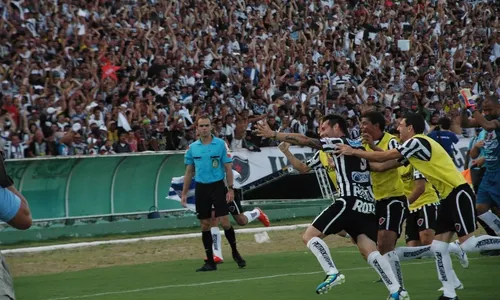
[
  {"x": 206, "y": 236},
  {"x": 231, "y": 238}
]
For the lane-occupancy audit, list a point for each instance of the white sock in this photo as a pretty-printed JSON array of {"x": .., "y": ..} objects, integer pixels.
[
  {"x": 252, "y": 215},
  {"x": 384, "y": 270},
  {"x": 409, "y": 253},
  {"x": 455, "y": 249},
  {"x": 481, "y": 243},
  {"x": 491, "y": 220},
  {"x": 319, "y": 248},
  {"x": 217, "y": 241},
  {"x": 393, "y": 260},
  {"x": 444, "y": 267},
  {"x": 456, "y": 281}
]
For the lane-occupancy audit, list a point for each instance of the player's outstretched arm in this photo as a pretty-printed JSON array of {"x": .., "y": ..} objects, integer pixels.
[
  {"x": 375, "y": 156},
  {"x": 296, "y": 163},
  {"x": 292, "y": 138},
  {"x": 484, "y": 123}
]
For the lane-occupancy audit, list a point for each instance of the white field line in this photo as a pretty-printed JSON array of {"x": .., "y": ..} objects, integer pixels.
[
  {"x": 143, "y": 239},
  {"x": 161, "y": 287}
]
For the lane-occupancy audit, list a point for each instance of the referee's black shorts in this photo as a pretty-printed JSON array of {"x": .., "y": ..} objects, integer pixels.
[{"x": 210, "y": 195}]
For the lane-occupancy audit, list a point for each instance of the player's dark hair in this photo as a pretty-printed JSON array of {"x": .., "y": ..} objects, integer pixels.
[
  {"x": 333, "y": 119},
  {"x": 417, "y": 121},
  {"x": 375, "y": 118},
  {"x": 445, "y": 123}
]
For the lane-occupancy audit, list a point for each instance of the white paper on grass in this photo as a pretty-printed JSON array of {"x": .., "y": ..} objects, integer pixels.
[{"x": 404, "y": 45}]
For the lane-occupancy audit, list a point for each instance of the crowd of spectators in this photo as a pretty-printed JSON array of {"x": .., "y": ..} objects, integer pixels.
[{"x": 82, "y": 77}]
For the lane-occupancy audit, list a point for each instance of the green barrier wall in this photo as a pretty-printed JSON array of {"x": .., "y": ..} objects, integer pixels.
[{"x": 94, "y": 186}]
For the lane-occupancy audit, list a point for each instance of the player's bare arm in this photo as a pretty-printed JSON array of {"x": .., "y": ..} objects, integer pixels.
[
  {"x": 484, "y": 123},
  {"x": 418, "y": 190},
  {"x": 375, "y": 156},
  {"x": 296, "y": 163},
  {"x": 292, "y": 138}
]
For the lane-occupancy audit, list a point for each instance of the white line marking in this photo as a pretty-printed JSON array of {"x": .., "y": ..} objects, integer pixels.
[
  {"x": 143, "y": 239},
  {"x": 154, "y": 288}
]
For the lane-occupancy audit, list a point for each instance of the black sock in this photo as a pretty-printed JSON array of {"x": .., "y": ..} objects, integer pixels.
[
  {"x": 487, "y": 228},
  {"x": 206, "y": 236},
  {"x": 231, "y": 238}
]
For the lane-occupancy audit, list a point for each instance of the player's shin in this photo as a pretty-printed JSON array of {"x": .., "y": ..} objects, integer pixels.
[
  {"x": 481, "y": 243},
  {"x": 393, "y": 260},
  {"x": 217, "y": 241},
  {"x": 320, "y": 249},
  {"x": 207, "y": 243},
  {"x": 409, "y": 253},
  {"x": 384, "y": 270},
  {"x": 444, "y": 267},
  {"x": 491, "y": 220},
  {"x": 252, "y": 215}
]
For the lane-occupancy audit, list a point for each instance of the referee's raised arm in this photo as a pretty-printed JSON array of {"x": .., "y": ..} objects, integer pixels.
[{"x": 208, "y": 159}]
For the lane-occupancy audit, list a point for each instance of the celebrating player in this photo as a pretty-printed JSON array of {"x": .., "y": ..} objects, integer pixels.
[
  {"x": 355, "y": 202},
  {"x": 456, "y": 213},
  {"x": 488, "y": 194},
  {"x": 388, "y": 188}
]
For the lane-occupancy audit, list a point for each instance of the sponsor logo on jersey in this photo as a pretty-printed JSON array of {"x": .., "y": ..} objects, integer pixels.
[
  {"x": 364, "y": 207},
  {"x": 362, "y": 192},
  {"x": 361, "y": 177}
]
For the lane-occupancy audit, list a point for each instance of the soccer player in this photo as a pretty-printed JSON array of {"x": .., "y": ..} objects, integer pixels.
[
  {"x": 391, "y": 203},
  {"x": 421, "y": 221},
  {"x": 353, "y": 211},
  {"x": 242, "y": 218},
  {"x": 456, "y": 213},
  {"x": 207, "y": 159},
  {"x": 488, "y": 194}
]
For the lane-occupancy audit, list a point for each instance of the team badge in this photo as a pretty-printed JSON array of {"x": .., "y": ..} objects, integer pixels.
[
  {"x": 420, "y": 222},
  {"x": 381, "y": 221},
  {"x": 458, "y": 227},
  {"x": 215, "y": 163}
]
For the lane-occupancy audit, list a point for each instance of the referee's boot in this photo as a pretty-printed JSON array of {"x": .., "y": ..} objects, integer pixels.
[
  {"x": 402, "y": 294},
  {"x": 239, "y": 260},
  {"x": 207, "y": 268},
  {"x": 443, "y": 297}
]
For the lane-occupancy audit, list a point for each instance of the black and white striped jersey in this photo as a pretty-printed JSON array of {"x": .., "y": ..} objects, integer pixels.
[
  {"x": 353, "y": 173},
  {"x": 415, "y": 147}
]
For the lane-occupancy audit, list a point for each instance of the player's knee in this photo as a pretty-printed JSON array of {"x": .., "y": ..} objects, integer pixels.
[
  {"x": 426, "y": 237},
  {"x": 482, "y": 208},
  {"x": 205, "y": 224},
  {"x": 226, "y": 224},
  {"x": 241, "y": 220},
  {"x": 306, "y": 238}
]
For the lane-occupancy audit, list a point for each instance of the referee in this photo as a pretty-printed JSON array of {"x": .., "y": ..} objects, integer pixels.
[
  {"x": 15, "y": 211},
  {"x": 207, "y": 158}
]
